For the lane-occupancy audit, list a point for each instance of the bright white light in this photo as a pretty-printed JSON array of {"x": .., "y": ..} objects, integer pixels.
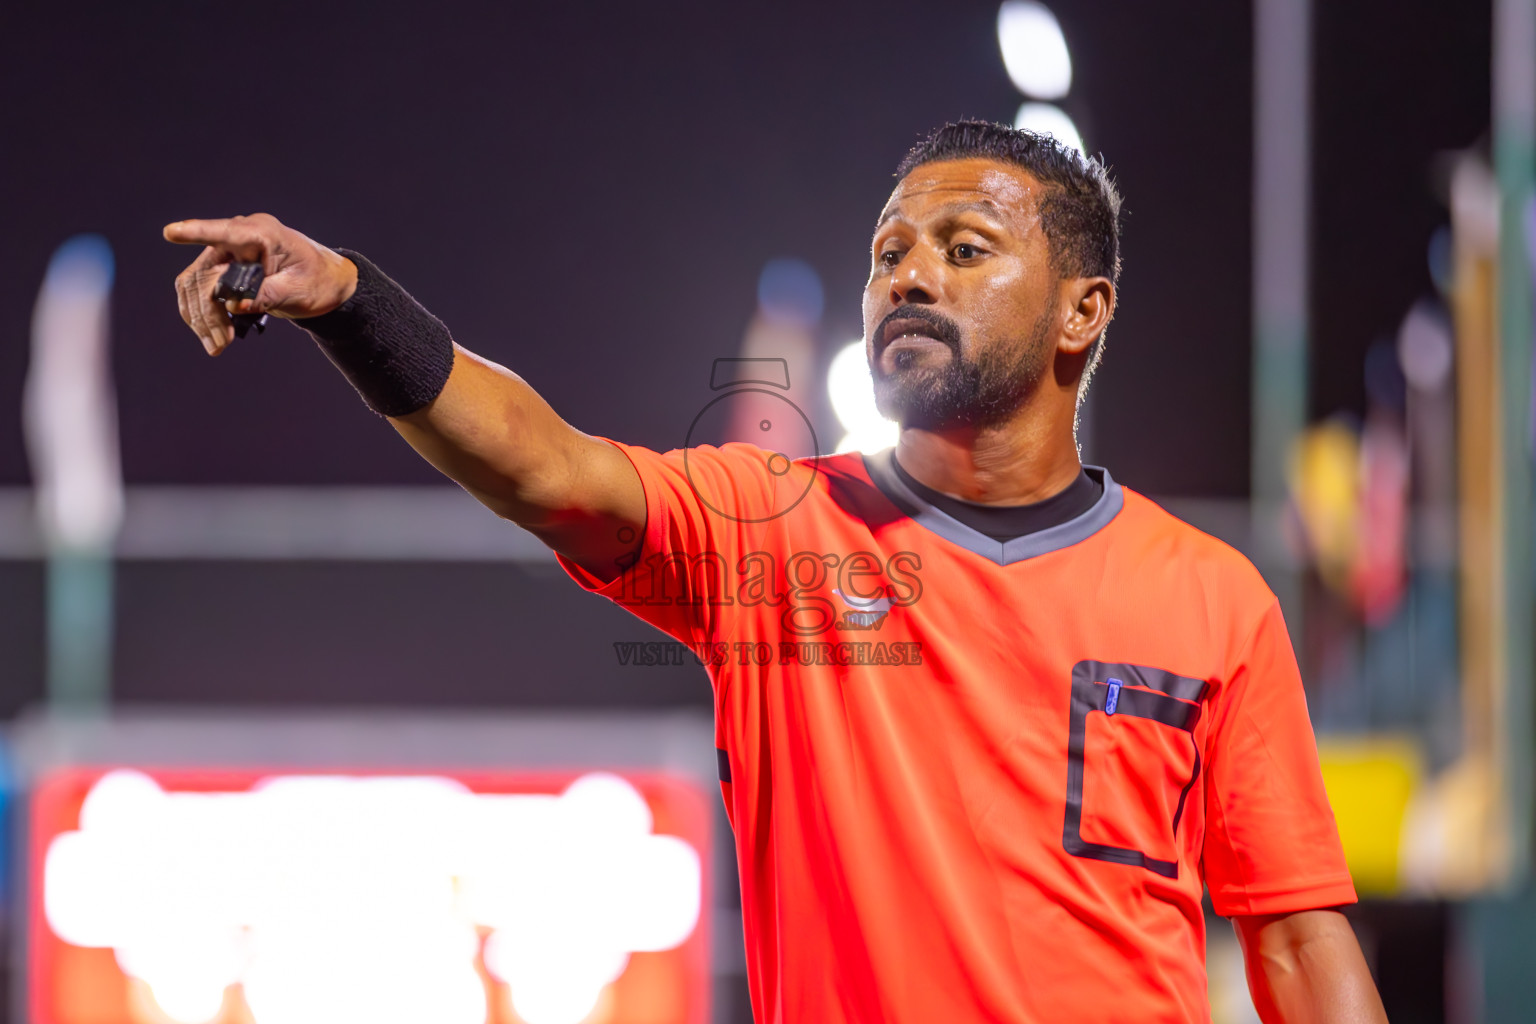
[
  {"x": 550, "y": 985},
  {"x": 607, "y": 804},
  {"x": 187, "y": 977},
  {"x": 1049, "y": 119},
  {"x": 877, "y": 439},
  {"x": 339, "y": 898},
  {"x": 1034, "y": 50},
  {"x": 852, "y": 391},
  {"x": 119, "y": 801}
]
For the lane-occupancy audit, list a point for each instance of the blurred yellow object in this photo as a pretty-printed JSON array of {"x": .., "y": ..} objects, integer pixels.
[
  {"x": 1324, "y": 476},
  {"x": 1371, "y": 780},
  {"x": 1456, "y": 841}
]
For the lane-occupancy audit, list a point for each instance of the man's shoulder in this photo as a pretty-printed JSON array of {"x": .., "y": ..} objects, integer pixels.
[
  {"x": 1179, "y": 544},
  {"x": 743, "y": 457}
]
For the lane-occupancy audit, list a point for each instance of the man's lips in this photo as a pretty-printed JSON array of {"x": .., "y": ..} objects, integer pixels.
[{"x": 909, "y": 334}]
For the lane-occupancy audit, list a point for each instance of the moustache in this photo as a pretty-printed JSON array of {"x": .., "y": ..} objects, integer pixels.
[{"x": 940, "y": 326}]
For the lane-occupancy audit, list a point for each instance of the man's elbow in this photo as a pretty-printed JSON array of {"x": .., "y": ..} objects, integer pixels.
[{"x": 1307, "y": 966}]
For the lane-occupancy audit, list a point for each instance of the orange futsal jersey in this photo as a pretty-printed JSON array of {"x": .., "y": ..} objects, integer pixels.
[{"x": 973, "y": 780}]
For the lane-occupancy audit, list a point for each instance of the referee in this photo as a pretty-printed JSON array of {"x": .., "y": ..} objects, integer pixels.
[{"x": 988, "y": 722}]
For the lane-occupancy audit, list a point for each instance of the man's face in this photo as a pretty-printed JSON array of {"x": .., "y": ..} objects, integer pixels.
[{"x": 961, "y": 309}]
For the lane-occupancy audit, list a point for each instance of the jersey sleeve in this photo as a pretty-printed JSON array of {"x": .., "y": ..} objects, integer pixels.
[
  {"x": 1271, "y": 843},
  {"x": 700, "y": 504}
]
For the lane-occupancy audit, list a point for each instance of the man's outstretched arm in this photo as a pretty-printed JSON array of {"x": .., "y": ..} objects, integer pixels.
[
  {"x": 486, "y": 428},
  {"x": 1306, "y": 968}
]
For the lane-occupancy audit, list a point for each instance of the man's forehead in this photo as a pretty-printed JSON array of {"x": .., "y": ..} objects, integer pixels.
[{"x": 1006, "y": 191}]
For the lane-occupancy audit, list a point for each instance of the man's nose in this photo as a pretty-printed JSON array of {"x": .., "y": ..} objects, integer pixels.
[{"x": 915, "y": 280}]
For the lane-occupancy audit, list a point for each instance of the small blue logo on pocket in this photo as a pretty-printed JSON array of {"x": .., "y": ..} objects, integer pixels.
[{"x": 1112, "y": 699}]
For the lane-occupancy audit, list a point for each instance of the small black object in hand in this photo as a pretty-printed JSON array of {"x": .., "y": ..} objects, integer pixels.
[{"x": 242, "y": 281}]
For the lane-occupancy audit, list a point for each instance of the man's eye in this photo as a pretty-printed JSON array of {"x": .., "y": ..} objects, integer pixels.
[
  {"x": 966, "y": 252},
  {"x": 890, "y": 258}
]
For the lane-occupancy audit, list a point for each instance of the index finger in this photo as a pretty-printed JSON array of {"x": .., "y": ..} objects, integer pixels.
[
  {"x": 199, "y": 232},
  {"x": 236, "y": 237}
]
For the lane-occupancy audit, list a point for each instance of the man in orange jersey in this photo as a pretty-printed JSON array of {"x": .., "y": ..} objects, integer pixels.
[{"x": 988, "y": 722}]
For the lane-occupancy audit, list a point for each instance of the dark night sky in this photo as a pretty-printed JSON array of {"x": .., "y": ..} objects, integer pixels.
[{"x": 586, "y": 193}]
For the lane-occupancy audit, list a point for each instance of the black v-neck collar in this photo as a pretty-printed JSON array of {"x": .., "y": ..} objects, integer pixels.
[
  {"x": 1006, "y": 522},
  {"x": 882, "y": 470}
]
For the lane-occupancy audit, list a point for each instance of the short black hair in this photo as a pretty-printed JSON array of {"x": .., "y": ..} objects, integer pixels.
[{"x": 1080, "y": 209}]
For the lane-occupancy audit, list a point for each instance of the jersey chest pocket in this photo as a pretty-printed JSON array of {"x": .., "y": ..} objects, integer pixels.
[{"x": 1131, "y": 761}]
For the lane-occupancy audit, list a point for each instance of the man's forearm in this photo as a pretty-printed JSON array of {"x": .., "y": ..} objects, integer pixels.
[
  {"x": 491, "y": 433},
  {"x": 494, "y": 435},
  {"x": 1307, "y": 968}
]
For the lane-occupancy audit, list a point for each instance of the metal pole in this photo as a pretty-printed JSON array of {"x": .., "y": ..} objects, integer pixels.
[
  {"x": 80, "y": 619},
  {"x": 1503, "y": 928},
  {"x": 1281, "y": 212},
  {"x": 1514, "y": 152}
]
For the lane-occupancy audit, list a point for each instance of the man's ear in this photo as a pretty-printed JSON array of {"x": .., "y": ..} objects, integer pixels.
[{"x": 1091, "y": 306}]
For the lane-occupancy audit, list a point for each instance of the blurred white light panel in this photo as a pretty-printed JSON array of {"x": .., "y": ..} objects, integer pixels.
[{"x": 335, "y": 898}]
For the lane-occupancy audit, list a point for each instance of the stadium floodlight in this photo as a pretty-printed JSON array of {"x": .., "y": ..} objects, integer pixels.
[
  {"x": 852, "y": 392},
  {"x": 1049, "y": 119},
  {"x": 1034, "y": 50}
]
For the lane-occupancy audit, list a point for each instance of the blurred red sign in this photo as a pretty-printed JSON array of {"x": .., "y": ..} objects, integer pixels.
[{"x": 232, "y": 897}]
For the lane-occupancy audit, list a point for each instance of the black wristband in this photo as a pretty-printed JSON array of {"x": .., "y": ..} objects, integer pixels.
[{"x": 396, "y": 354}]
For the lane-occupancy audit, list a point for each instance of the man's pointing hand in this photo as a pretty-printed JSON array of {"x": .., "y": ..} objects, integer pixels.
[{"x": 303, "y": 278}]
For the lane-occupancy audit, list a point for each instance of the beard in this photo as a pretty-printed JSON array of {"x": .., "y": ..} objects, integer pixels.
[{"x": 966, "y": 393}]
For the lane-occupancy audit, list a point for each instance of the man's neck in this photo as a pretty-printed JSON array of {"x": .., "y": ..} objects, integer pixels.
[{"x": 1016, "y": 463}]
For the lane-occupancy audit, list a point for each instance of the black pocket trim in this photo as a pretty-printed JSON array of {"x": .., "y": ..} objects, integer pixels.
[
  {"x": 723, "y": 762},
  {"x": 1169, "y": 699}
]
